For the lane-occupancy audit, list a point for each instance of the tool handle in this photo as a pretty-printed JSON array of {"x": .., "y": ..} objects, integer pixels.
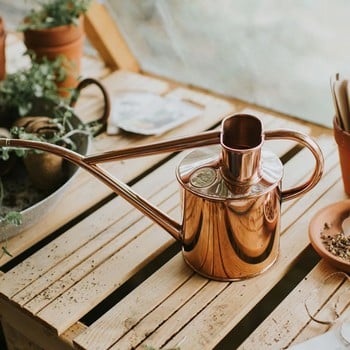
[{"x": 308, "y": 142}]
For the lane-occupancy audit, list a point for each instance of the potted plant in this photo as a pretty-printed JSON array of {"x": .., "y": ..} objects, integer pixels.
[
  {"x": 55, "y": 28},
  {"x": 21, "y": 91},
  {"x": 32, "y": 108}
]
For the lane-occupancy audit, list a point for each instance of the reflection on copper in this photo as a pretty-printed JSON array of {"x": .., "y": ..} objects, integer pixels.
[{"x": 231, "y": 196}]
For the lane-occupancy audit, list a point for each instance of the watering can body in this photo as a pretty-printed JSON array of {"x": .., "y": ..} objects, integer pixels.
[
  {"x": 230, "y": 195},
  {"x": 228, "y": 233}
]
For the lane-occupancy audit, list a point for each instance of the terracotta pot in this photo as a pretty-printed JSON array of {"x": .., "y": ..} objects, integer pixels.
[
  {"x": 47, "y": 171},
  {"x": 65, "y": 40},
  {"x": 343, "y": 141},
  {"x": 2, "y": 50}
]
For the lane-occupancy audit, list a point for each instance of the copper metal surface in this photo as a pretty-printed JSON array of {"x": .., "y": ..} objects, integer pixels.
[{"x": 231, "y": 194}]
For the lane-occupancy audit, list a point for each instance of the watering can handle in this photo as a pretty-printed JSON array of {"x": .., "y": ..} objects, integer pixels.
[{"x": 308, "y": 142}]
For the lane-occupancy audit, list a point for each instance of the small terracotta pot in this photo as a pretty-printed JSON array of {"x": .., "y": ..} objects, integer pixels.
[
  {"x": 55, "y": 36},
  {"x": 342, "y": 139},
  {"x": 45, "y": 170},
  {"x": 2, "y": 50},
  {"x": 63, "y": 40}
]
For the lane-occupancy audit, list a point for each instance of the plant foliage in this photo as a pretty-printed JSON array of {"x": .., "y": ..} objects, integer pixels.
[
  {"x": 20, "y": 89},
  {"x": 19, "y": 93},
  {"x": 53, "y": 13}
]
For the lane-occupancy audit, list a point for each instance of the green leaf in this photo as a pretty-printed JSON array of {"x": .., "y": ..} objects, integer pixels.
[
  {"x": 4, "y": 153},
  {"x": 5, "y": 251},
  {"x": 13, "y": 217},
  {"x": 54, "y": 13}
]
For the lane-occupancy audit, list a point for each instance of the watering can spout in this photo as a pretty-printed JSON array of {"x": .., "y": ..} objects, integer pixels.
[
  {"x": 231, "y": 201},
  {"x": 166, "y": 222},
  {"x": 89, "y": 163}
]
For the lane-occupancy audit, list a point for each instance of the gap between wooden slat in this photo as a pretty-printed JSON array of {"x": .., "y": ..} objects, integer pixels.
[
  {"x": 206, "y": 333},
  {"x": 117, "y": 343},
  {"x": 36, "y": 265},
  {"x": 278, "y": 330}
]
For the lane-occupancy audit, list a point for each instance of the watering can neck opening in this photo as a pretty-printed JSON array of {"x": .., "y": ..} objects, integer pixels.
[{"x": 241, "y": 142}]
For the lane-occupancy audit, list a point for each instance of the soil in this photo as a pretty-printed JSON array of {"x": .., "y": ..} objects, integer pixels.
[{"x": 19, "y": 192}]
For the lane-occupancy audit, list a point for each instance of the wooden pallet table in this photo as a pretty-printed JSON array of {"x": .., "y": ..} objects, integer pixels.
[
  {"x": 112, "y": 279},
  {"x": 95, "y": 273}
]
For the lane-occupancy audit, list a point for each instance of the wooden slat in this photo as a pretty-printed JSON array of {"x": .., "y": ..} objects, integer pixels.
[
  {"x": 105, "y": 36},
  {"x": 111, "y": 220},
  {"x": 103, "y": 280},
  {"x": 246, "y": 302},
  {"x": 16, "y": 340},
  {"x": 337, "y": 299},
  {"x": 232, "y": 305},
  {"x": 149, "y": 324},
  {"x": 100, "y": 260},
  {"x": 136, "y": 305},
  {"x": 289, "y": 323},
  {"x": 179, "y": 314},
  {"x": 190, "y": 311},
  {"x": 88, "y": 241},
  {"x": 73, "y": 332}
]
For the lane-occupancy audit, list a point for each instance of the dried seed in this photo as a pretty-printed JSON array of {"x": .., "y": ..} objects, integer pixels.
[{"x": 338, "y": 245}]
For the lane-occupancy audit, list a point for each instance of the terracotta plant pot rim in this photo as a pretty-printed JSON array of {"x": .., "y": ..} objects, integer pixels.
[{"x": 63, "y": 35}]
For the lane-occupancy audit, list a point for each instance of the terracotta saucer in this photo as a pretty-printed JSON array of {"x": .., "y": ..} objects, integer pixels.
[{"x": 329, "y": 221}]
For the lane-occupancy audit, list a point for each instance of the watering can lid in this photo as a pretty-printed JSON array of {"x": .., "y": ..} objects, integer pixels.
[{"x": 199, "y": 172}]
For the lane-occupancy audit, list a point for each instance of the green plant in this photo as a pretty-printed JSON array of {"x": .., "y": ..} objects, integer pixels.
[
  {"x": 53, "y": 13},
  {"x": 20, "y": 93},
  {"x": 20, "y": 89},
  {"x": 57, "y": 129}
]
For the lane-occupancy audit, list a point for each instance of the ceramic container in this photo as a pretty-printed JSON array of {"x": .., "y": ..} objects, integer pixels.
[{"x": 342, "y": 139}]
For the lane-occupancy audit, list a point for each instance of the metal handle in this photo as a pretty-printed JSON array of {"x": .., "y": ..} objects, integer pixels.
[
  {"x": 308, "y": 142},
  {"x": 107, "y": 104}
]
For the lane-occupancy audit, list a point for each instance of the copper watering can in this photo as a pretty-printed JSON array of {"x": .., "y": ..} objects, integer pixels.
[{"x": 231, "y": 198}]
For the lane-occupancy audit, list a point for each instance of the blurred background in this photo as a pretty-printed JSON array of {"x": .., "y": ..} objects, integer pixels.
[{"x": 275, "y": 54}]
